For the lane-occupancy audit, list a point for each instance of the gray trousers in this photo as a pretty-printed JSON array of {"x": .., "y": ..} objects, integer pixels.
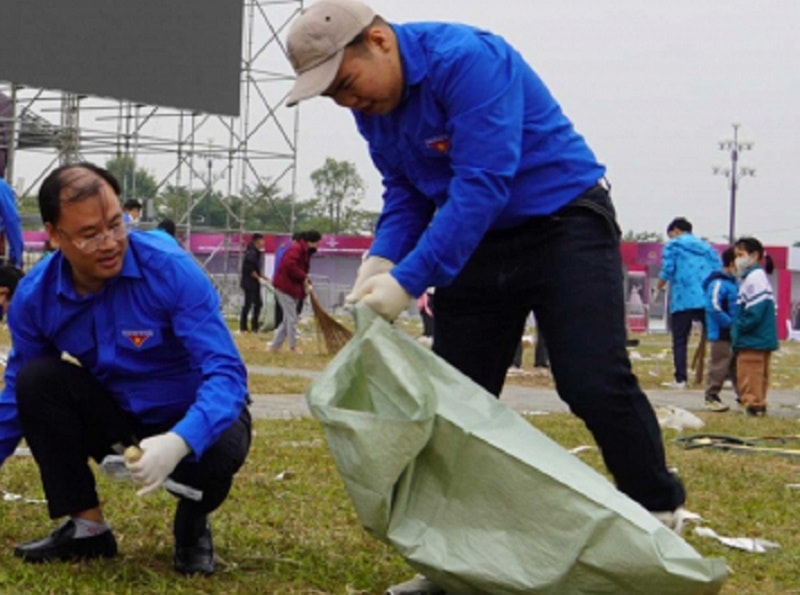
[
  {"x": 721, "y": 366},
  {"x": 288, "y": 326}
]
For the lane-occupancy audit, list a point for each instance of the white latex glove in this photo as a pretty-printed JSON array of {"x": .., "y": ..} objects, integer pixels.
[
  {"x": 160, "y": 455},
  {"x": 383, "y": 294},
  {"x": 372, "y": 265}
]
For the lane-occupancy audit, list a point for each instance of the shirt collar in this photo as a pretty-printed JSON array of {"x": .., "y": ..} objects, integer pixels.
[{"x": 412, "y": 58}]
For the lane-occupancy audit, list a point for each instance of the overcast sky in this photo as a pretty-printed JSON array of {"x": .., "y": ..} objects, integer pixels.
[{"x": 653, "y": 86}]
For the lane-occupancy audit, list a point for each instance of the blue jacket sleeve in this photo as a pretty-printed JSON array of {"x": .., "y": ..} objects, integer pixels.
[
  {"x": 198, "y": 323},
  {"x": 715, "y": 305},
  {"x": 405, "y": 214},
  {"x": 13, "y": 224},
  {"x": 481, "y": 91},
  {"x": 28, "y": 343},
  {"x": 668, "y": 260}
]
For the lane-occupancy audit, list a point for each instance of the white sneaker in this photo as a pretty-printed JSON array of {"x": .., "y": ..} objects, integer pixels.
[
  {"x": 419, "y": 585},
  {"x": 676, "y": 519},
  {"x": 675, "y": 384}
]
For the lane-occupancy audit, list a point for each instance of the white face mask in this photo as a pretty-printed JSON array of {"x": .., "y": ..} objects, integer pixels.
[{"x": 742, "y": 262}]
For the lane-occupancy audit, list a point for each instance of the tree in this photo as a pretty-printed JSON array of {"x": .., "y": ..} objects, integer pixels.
[
  {"x": 339, "y": 190},
  {"x": 642, "y": 236},
  {"x": 135, "y": 182}
]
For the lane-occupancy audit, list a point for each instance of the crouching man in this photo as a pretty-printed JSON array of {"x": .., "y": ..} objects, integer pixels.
[{"x": 157, "y": 368}]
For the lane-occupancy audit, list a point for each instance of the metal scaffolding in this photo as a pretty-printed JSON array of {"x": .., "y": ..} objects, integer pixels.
[
  {"x": 210, "y": 156},
  {"x": 182, "y": 148}
]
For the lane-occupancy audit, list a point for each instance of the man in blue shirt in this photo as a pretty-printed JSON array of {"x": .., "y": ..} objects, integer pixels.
[
  {"x": 118, "y": 340},
  {"x": 492, "y": 197},
  {"x": 10, "y": 225}
]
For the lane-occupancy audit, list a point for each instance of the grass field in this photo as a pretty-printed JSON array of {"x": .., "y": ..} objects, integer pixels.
[{"x": 289, "y": 527}]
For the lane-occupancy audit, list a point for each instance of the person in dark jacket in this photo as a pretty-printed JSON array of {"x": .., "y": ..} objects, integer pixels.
[
  {"x": 251, "y": 283},
  {"x": 721, "y": 291},
  {"x": 291, "y": 284}
]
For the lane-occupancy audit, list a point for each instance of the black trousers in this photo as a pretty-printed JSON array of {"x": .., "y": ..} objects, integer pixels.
[
  {"x": 67, "y": 417},
  {"x": 681, "y": 323},
  {"x": 567, "y": 268},
  {"x": 252, "y": 299}
]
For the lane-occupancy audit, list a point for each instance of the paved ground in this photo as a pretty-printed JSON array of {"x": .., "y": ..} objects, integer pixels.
[{"x": 523, "y": 399}]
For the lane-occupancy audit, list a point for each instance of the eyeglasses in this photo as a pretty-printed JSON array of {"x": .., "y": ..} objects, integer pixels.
[{"x": 91, "y": 245}]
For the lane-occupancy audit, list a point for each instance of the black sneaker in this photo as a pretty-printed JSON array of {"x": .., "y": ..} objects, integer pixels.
[
  {"x": 755, "y": 410},
  {"x": 714, "y": 403},
  {"x": 62, "y": 544}
]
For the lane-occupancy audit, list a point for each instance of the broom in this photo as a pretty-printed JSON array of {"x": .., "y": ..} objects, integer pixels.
[{"x": 334, "y": 333}]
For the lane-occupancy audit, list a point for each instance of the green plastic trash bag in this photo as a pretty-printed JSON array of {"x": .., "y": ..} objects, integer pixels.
[
  {"x": 267, "y": 322},
  {"x": 472, "y": 495}
]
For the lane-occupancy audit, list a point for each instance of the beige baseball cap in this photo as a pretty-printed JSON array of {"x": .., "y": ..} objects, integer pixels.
[{"x": 316, "y": 43}]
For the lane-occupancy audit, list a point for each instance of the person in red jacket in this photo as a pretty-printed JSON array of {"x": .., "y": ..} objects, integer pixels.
[{"x": 291, "y": 284}]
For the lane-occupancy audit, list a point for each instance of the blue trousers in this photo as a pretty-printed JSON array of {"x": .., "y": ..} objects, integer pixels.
[
  {"x": 567, "y": 268},
  {"x": 681, "y": 329}
]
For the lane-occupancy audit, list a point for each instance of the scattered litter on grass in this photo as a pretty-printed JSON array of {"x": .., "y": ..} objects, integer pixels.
[
  {"x": 638, "y": 357},
  {"x": 753, "y": 545},
  {"x": 11, "y": 497},
  {"x": 22, "y": 452},
  {"x": 678, "y": 418},
  {"x": 284, "y": 475},
  {"x": 316, "y": 443},
  {"x": 583, "y": 448}
]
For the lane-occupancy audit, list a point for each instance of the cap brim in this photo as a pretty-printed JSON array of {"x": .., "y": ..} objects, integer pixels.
[{"x": 315, "y": 81}]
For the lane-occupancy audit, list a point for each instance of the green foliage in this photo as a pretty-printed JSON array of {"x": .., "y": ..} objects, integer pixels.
[
  {"x": 135, "y": 182},
  {"x": 642, "y": 236},
  {"x": 339, "y": 190}
]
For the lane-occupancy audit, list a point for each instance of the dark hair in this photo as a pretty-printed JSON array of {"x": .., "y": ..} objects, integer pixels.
[
  {"x": 9, "y": 277},
  {"x": 681, "y": 224},
  {"x": 66, "y": 176},
  {"x": 132, "y": 203},
  {"x": 753, "y": 246},
  {"x": 312, "y": 235},
  {"x": 256, "y": 236},
  {"x": 167, "y": 225},
  {"x": 728, "y": 256}
]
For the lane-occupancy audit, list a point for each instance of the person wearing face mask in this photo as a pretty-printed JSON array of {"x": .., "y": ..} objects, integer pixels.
[
  {"x": 754, "y": 333},
  {"x": 291, "y": 284},
  {"x": 686, "y": 262}
]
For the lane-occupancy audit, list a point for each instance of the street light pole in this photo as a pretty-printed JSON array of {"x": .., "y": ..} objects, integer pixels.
[{"x": 734, "y": 173}]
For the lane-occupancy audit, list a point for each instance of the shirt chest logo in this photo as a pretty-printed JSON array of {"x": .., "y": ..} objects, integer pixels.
[
  {"x": 138, "y": 338},
  {"x": 439, "y": 143}
]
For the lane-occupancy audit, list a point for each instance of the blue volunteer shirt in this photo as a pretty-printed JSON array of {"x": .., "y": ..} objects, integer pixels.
[
  {"x": 478, "y": 143},
  {"x": 153, "y": 336},
  {"x": 10, "y": 224}
]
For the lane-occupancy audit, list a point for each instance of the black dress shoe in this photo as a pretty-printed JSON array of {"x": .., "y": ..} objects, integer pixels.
[
  {"x": 61, "y": 544},
  {"x": 196, "y": 557}
]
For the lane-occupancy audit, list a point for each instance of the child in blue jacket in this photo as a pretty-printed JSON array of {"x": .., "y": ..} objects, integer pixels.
[
  {"x": 720, "y": 293},
  {"x": 754, "y": 333}
]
